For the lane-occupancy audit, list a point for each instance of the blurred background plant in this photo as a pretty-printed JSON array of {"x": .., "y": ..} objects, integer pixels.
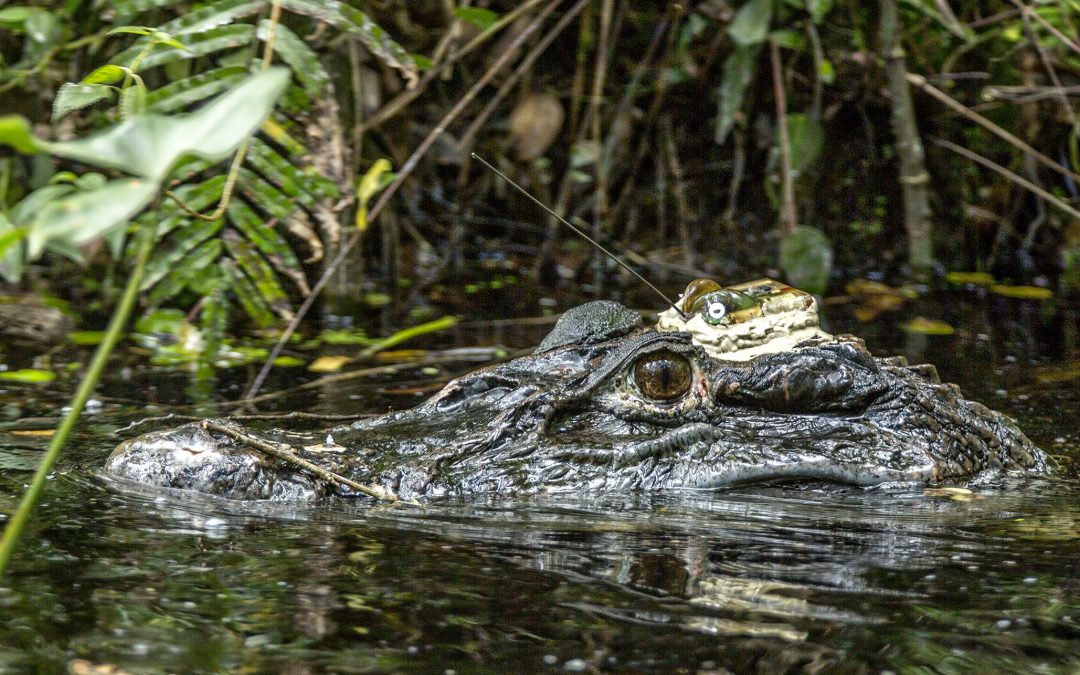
[{"x": 825, "y": 141}]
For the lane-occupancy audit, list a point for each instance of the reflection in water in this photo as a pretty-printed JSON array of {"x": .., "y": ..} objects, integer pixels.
[{"x": 765, "y": 579}]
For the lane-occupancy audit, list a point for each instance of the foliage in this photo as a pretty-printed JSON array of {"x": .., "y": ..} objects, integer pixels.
[
  {"x": 675, "y": 154},
  {"x": 247, "y": 250}
]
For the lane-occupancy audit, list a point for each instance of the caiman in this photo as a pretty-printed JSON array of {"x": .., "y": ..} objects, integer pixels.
[{"x": 733, "y": 385}]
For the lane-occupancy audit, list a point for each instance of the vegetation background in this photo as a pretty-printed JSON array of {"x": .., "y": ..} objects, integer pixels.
[{"x": 825, "y": 140}]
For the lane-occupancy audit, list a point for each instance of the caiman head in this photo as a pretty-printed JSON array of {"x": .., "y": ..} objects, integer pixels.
[{"x": 604, "y": 404}]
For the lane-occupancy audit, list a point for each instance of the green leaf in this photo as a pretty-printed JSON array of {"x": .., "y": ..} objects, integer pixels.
[
  {"x": 258, "y": 272},
  {"x": 826, "y": 71},
  {"x": 128, "y": 8},
  {"x": 26, "y": 209},
  {"x": 28, "y": 376},
  {"x": 42, "y": 27},
  {"x": 738, "y": 73},
  {"x": 215, "y": 316},
  {"x": 924, "y": 326},
  {"x": 751, "y": 23},
  {"x": 300, "y": 57},
  {"x": 84, "y": 216},
  {"x": 210, "y": 16},
  {"x": 186, "y": 240},
  {"x": 370, "y": 184},
  {"x": 131, "y": 30},
  {"x": 11, "y": 259},
  {"x": 72, "y": 97},
  {"x": 192, "y": 46},
  {"x": 14, "y": 17},
  {"x": 149, "y": 145},
  {"x": 86, "y": 338},
  {"x": 91, "y": 180},
  {"x": 182, "y": 93},
  {"x": 806, "y": 257},
  {"x": 160, "y": 322},
  {"x": 250, "y": 299},
  {"x": 480, "y": 17},
  {"x": 818, "y": 9},
  {"x": 191, "y": 268},
  {"x": 353, "y": 21},
  {"x": 268, "y": 241},
  {"x": 132, "y": 101},
  {"x": 806, "y": 138},
  {"x": 106, "y": 75},
  {"x": 15, "y": 131},
  {"x": 788, "y": 39}
]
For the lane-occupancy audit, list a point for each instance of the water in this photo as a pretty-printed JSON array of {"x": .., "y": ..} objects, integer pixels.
[{"x": 756, "y": 579}]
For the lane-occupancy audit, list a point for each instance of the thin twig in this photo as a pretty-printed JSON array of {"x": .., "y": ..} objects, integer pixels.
[
  {"x": 172, "y": 418},
  {"x": 1048, "y": 65},
  {"x": 466, "y": 141},
  {"x": 678, "y": 185},
  {"x": 787, "y": 216},
  {"x": 1027, "y": 11},
  {"x": 600, "y": 202},
  {"x": 403, "y": 173},
  {"x": 286, "y": 454},
  {"x": 407, "y": 96},
  {"x": 1019, "y": 180},
  {"x": 920, "y": 82}
]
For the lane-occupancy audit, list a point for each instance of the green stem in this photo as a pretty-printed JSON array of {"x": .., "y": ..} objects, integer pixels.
[{"x": 101, "y": 357}]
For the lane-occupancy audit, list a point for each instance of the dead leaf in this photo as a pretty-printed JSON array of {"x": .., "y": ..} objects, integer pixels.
[
  {"x": 924, "y": 326},
  {"x": 329, "y": 364},
  {"x": 534, "y": 124},
  {"x": 1023, "y": 292}
]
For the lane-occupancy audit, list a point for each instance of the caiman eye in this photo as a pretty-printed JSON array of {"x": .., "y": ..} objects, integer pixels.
[{"x": 663, "y": 376}]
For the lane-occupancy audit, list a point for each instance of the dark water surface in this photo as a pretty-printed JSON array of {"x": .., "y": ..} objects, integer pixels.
[{"x": 766, "y": 579}]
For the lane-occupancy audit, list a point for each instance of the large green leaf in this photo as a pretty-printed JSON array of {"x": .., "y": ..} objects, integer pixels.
[
  {"x": 149, "y": 145},
  {"x": 83, "y": 216},
  {"x": 806, "y": 138},
  {"x": 738, "y": 73},
  {"x": 806, "y": 257},
  {"x": 15, "y": 131},
  {"x": 751, "y": 23}
]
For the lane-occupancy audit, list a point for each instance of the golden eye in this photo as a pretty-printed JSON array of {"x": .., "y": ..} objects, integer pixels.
[{"x": 663, "y": 376}]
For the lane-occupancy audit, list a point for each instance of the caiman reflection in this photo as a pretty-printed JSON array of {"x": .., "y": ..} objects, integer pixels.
[{"x": 604, "y": 404}]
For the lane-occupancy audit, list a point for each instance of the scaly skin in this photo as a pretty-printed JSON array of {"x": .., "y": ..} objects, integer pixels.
[{"x": 573, "y": 416}]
